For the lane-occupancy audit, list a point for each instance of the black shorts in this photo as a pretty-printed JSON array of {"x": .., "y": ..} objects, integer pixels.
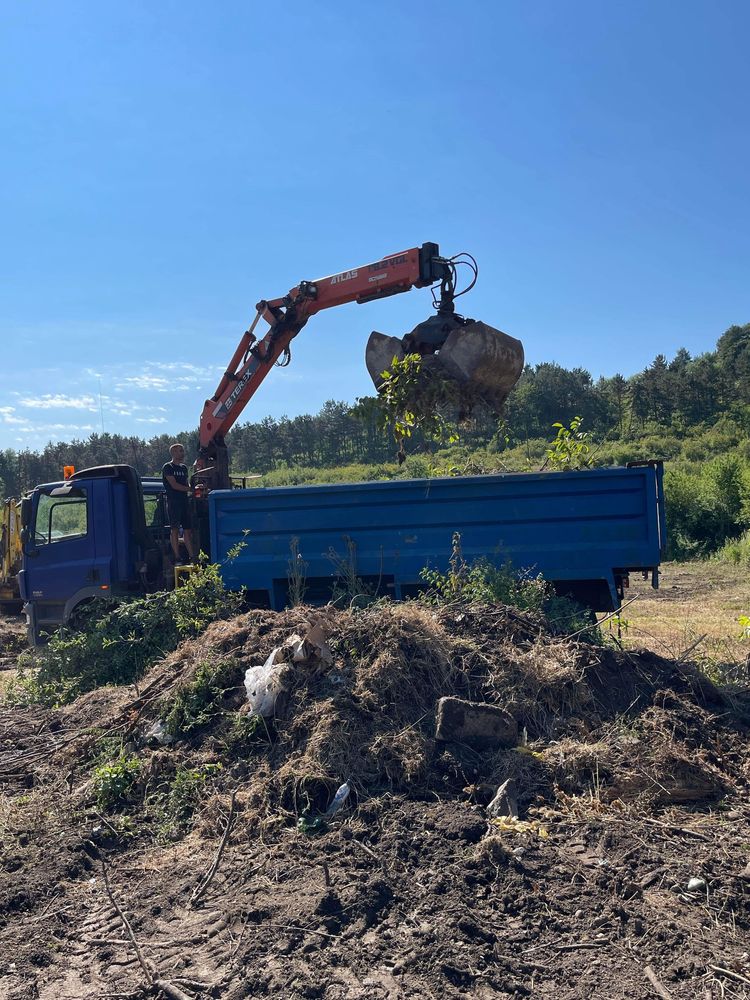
[{"x": 177, "y": 510}]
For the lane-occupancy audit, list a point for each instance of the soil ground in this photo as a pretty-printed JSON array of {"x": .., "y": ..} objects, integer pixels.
[{"x": 633, "y": 780}]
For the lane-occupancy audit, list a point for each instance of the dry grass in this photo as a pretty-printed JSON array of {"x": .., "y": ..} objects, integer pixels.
[{"x": 694, "y": 600}]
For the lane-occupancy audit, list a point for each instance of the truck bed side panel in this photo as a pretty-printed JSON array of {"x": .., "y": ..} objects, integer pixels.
[{"x": 577, "y": 526}]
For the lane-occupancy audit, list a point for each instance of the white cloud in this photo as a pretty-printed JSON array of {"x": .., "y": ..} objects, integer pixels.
[
  {"x": 176, "y": 366},
  {"x": 58, "y": 400},
  {"x": 160, "y": 383},
  {"x": 122, "y": 407},
  {"x": 151, "y": 420},
  {"x": 55, "y": 428},
  {"x": 156, "y": 382},
  {"x": 8, "y": 418},
  {"x": 151, "y": 380}
]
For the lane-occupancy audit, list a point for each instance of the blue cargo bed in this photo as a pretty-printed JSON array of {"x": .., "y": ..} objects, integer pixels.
[{"x": 583, "y": 531}]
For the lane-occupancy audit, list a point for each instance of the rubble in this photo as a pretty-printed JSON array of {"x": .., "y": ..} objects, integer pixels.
[
  {"x": 478, "y": 725},
  {"x": 505, "y": 801}
]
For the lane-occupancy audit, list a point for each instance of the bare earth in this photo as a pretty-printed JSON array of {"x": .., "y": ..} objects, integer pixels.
[{"x": 625, "y": 877}]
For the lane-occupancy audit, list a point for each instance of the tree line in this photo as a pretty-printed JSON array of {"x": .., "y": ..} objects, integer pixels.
[{"x": 680, "y": 395}]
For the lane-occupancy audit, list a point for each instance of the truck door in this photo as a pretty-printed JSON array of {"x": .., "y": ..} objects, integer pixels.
[{"x": 59, "y": 551}]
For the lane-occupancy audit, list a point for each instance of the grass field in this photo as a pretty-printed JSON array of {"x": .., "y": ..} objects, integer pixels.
[{"x": 695, "y": 601}]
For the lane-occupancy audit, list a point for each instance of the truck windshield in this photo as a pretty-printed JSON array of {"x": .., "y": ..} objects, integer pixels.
[{"x": 60, "y": 518}]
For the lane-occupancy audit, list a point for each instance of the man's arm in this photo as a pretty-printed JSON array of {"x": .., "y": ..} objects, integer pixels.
[{"x": 178, "y": 487}]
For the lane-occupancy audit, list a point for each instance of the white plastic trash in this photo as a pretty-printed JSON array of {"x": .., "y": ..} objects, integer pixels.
[
  {"x": 158, "y": 731},
  {"x": 297, "y": 645},
  {"x": 264, "y": 684}
]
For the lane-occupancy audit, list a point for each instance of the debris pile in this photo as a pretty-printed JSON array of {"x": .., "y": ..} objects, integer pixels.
[{"x": 392, "y": 801}]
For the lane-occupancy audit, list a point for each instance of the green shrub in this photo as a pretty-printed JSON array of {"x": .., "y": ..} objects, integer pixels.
[
  {"x": 571, "y": 448},
  {"x": 486, "y": 583},
  {"x": 115, "y": 644},
  {"x": 174, "y": 808},
  {"x": 244, "y": 731},
  {"x": 115, "y": 782},
  {"x": 706, "y": 506},
  {"x": 736, "y": 552},
  {"x": 196, "y": 703}
]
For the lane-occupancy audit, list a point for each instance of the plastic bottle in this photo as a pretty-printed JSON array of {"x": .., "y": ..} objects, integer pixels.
[{"x": 338, "y": 800}]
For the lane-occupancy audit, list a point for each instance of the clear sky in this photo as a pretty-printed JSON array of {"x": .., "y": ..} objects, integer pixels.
[{"x": 165, "y": 165}]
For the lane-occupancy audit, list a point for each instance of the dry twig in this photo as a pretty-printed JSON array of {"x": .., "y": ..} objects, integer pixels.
[
  {"x": 731, "y": 974},
  {"x": 677, "y": 829},
  {"x": 581, "y": 945},
  {"x": 208, "y": 878},
  {"x": 141, "y": 960},
  {"x": 658, "y": 988}
]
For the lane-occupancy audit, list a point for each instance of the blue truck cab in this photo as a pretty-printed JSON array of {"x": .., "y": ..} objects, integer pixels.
[
  {"x": 102, "y": 533},
  {"x": 99, "y": 534}
]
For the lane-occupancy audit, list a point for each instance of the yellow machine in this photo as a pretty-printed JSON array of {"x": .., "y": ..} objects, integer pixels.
[{"x": 10, "y": 556}]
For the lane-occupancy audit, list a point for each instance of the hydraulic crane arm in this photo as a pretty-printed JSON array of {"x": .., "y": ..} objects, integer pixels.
[{"x": 251, "y": 362}]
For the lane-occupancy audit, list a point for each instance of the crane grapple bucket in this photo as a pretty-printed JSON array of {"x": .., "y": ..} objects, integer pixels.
[{"x": 483, "y": 362}]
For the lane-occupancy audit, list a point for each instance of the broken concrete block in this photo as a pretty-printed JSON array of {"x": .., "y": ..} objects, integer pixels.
[
  {"x": 505, "y": 802},
  {"x": 478, "y": 725}
]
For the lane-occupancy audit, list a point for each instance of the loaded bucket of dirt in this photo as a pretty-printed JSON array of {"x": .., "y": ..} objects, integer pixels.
[{"x": 480, "y": 361}]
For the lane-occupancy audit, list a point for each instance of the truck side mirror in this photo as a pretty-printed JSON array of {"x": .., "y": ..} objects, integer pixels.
[
  {"x": 25, "y": 512},
  {"x": 27, "y": 544}
]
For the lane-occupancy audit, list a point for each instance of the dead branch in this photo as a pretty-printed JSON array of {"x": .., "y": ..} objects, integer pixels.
[
  {"x": 693, "y": 645},
  {"x": 581, "y": 945},
  {"x": 209, "y": 876},
  {"x": 658, "y": 988},
  {"x": 172, "y": 991},
  {"x": 677, "y": 829},
  {"x": 732, "y": 975},
  {"x": 141, "y": 960}
]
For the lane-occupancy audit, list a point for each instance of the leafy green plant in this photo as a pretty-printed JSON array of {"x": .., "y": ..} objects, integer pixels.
[
  {"x": 29, "y": 688},
  {"x": 115, "y": 782},
  {"x": 483, "y": 582},
  {"x": 412, "y": 399},
  {"x": 173, "y": 809},
  {"x": 571, "y": 448},
  {"x": 296, "y": 574},
  {"x": 115, "y": 643},
  {"x": 197, "y": 702},
  {"x": 348, "y": 587},
  {"x": 736, "y": 551},
  {"x": 245, "y": 730},
  {"x": 203, "y": 599}
]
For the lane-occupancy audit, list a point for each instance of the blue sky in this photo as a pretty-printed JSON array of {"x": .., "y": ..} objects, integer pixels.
[{"x": 165, "y": 165}]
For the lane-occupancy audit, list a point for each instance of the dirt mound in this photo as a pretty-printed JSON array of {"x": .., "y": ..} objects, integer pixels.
[{"x": 631, "y": 780}]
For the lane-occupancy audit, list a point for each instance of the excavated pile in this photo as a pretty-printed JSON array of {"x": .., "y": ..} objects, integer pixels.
[{"x": 620, "y": 869}]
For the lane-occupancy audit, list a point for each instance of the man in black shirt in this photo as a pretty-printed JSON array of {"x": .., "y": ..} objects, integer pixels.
[{"x": 175, "y": 478}]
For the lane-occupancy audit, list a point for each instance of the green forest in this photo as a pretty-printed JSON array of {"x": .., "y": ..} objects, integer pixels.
[{"x": 692, "y": 412}]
